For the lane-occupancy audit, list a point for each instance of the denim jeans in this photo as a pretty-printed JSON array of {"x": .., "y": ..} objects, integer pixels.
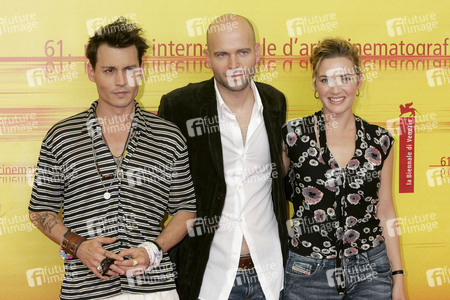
[
  {"x": 367, "y": 276},
  {"x": 246, "y": 286}
]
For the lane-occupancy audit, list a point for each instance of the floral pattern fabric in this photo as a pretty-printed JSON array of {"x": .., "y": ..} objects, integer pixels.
[{"x": 334, "y": 206}]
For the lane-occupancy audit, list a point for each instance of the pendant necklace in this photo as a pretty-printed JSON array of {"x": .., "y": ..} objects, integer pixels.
[{"x": 107, "y": 194}]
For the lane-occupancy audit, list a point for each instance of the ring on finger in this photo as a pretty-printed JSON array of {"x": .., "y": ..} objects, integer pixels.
[
  {"x": 99, "y": 268},
  {"x": 135, "y": 262}
]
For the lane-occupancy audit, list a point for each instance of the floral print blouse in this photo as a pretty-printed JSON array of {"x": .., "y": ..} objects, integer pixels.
[{"x": 334, "y": 206}]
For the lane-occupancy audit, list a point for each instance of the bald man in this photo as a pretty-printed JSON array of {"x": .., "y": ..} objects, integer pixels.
[{"x": 233, "y": 129}]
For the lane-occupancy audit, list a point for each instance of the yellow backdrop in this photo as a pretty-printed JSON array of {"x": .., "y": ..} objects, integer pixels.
[{"x": 404, "y": 45}]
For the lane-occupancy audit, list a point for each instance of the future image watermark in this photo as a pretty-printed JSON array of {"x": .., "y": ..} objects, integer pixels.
[
  {"x": 165, "y": 272},
  {"x": 111, "y": 225},
  {"x": 323, "y": 222},
  {"x": 303, "y": 127},
  {"x": 411, "y": 24},
  {"x": 353, "y": 274},
  {"x": 18, "y": 23},
  {"x": 45, "y": 275},
  {"x": 312, "y": 24},
  {"x": 438, "y": 276},
  {"x": 45, "y": 75},
  {"x": 95, "y": 25},
  {"x": 201, "y": 126},
  {"x": 55, "y": 175},
  {"x": 437, "y": 177},
  {"x": 343, "y": 76},
  {"x": 149, "y": 175},
  {"x": 438, "y": 77},
  {"x": 239, "y": 77},
  {"x": 18, "y": 124},
  {"x": 266, "y": 272},
  {"x": 15, "y": 224},
  {"x": 422, "y": 123},
  {"x": 199, "y": 26},
  {"x": 162, "y": 73},
  {"x": 249, "y": 175},
  {"x": 205, "y": 225},
  {"x": 113, "y": 124},
  {"x": 414, "y": 224}
]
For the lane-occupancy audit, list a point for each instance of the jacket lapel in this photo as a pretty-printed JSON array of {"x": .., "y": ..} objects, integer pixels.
[
  {"x": 272, "y": 116},
  {"x": 208, "y": 111}
]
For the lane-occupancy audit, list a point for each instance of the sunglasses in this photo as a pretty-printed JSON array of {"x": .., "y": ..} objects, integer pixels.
[{"x": 105, "y": 264}]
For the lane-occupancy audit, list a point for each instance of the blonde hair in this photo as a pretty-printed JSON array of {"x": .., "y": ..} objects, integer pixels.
[{"x": 334, "y": 47}]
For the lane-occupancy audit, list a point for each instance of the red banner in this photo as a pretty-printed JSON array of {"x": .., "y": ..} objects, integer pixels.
[{"x": 406, "y": 156}]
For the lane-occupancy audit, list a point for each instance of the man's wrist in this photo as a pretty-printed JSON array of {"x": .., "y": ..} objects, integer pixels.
[
  {"x": 70, "y": 242},
  {"x": 154, "y": 252}
]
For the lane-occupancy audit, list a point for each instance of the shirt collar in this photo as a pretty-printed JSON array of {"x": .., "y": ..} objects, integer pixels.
[
  {"x": 93, "y": 125},
  {"x": 222, "y": 106}
]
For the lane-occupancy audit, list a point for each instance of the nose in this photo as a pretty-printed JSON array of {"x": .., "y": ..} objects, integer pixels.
[
  {"x": 233, "y": 63},
  {"x": 121, "y": 79},
  {"x": 336, "y": 86}
]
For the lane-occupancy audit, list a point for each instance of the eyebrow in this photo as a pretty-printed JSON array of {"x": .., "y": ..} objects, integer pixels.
[
  {"x": 346, "y": 74},
  {"x": 112, "y": 67},
  {"x": 242, "y": 49}
]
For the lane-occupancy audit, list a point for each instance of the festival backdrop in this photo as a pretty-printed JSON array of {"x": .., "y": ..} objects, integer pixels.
[{"x": 406, "y": 57}]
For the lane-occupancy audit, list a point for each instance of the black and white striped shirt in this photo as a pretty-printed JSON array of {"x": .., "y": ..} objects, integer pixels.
[{"x": 154, "y": 178}]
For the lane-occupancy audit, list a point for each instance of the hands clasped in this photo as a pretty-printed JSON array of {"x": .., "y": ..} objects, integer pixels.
[{"x": 129, "y": 262}]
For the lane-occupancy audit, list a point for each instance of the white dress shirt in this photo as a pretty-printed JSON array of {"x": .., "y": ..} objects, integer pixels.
[{"x": 248, "y": 210}]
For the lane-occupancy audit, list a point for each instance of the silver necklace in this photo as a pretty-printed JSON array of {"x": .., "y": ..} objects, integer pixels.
[{"x": 107, "y": 194}]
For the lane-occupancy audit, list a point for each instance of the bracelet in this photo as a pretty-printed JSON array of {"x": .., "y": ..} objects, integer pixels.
[
  {"x": 70, "y": 243},
  {"x": 64, "y": 255},
  {"x": 398, "y": 272},
  {"x": 154, "y": 253},
  {"x": 157, "y": 245}
]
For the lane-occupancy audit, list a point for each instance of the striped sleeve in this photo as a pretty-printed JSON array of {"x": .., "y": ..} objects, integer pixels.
[
  {"x": 48, "y": 185},
  {"x": 182, "y": 195}
]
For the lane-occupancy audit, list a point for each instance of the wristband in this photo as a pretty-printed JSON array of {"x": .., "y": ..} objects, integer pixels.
[
  {"x": 159, "y": 247},
  {"x": 64, "y": 235},
  {"x": 70, "y": 243},
  {"x": 398, "y": 272},
  {"x": 154, "y": 253}
]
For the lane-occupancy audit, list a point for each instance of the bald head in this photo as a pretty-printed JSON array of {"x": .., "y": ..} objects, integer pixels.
[
  {"x": 232, "y": 52},
  {"x": 229, "y": 23}
]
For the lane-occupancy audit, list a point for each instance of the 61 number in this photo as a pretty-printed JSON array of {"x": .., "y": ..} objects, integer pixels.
[
  {"x": 445, "y": 162},
  {"x": 50, "y": 51}
]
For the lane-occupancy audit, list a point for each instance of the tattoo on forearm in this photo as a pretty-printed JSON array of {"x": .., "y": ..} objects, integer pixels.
[{"x": 48, "y": 221}]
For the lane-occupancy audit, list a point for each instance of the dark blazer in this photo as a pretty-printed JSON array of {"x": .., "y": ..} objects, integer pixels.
[{"x": 194, "y": 101}]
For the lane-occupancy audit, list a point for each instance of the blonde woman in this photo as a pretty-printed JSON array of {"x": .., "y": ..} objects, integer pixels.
[{"x": 340, "y": 183}]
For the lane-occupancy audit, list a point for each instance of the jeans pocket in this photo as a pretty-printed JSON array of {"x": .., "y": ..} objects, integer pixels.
[
  {"x": 301, "y": 265},
  {"x": 380, "y": 264}
]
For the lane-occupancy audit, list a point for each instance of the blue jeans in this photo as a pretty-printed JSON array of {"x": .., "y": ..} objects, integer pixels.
[
  {"x": 367, "y": 276},
  {"x": 246, "y": 286}
]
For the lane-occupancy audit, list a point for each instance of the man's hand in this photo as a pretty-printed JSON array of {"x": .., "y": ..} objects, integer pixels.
[
  {"x": 91, "y": 253},
  {"x": 136, "y": 265}
]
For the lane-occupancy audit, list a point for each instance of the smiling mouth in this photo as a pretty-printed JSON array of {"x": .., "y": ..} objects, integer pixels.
[{"x": 336, "y": 99}]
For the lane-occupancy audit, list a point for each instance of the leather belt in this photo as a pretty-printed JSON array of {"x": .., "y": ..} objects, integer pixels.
[{"x": 246, "y": 262}]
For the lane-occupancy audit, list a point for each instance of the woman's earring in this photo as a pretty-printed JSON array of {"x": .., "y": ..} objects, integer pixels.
[
  {"x": 316, "y": 96},
  {"x": 357, "y": 93}
]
